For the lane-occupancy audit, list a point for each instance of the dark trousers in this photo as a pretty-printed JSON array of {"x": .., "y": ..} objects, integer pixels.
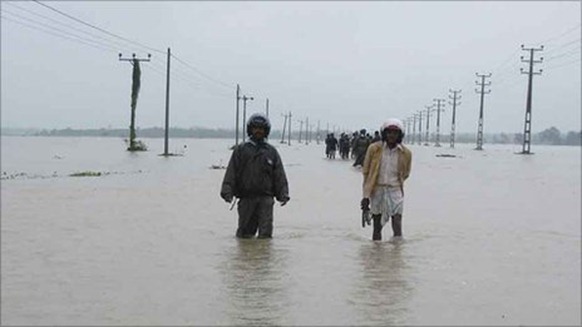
[{"x": 255, "y": 213}]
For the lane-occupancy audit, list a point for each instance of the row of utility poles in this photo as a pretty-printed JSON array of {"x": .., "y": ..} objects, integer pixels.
[
  {"x": 454, "y": 96},
  {"x": 411, "y": 122}
]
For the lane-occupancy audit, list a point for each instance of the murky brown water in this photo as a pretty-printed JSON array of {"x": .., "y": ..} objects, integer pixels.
[{"x": 492, "y": 238}]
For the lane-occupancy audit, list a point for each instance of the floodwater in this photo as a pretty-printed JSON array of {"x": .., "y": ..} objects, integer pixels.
[{"x": 491, "y": 238}]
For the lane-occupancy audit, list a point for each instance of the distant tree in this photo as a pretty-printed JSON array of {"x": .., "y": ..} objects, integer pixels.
[
  {"x": 518, "y": 138},
  {"x": 550, "y": 136},
  {"x": 574, "y": 138}
]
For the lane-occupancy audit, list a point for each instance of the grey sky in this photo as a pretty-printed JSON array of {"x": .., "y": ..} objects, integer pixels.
[{"x": 349, "y": 64}]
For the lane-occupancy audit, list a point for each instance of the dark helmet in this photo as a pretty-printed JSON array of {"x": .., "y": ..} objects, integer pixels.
[{"x": 258, "y": 120}]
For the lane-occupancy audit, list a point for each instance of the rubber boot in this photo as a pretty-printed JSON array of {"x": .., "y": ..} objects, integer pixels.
[{"x": 377, "y": 233}]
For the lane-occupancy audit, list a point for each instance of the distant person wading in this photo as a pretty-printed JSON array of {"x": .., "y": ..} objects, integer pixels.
[{"x": 255, "y": 175}]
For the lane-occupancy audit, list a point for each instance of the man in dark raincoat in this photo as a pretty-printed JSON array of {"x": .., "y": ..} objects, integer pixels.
[{"x": 255, "y": 175}]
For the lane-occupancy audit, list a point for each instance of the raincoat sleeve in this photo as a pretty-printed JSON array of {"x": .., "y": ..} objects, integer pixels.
[
  {"x": 281, "y": 187},
  {"x": 229, "y": 187}
]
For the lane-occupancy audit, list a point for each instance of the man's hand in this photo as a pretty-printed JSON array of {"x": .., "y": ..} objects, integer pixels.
[
  {"x": 284, "y": 201},
  {"x": 227, "y": 197},
  {"x": 365, "y": 204}
]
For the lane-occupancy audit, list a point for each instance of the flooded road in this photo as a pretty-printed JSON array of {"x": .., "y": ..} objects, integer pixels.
[{"x": 491, "y": 238}]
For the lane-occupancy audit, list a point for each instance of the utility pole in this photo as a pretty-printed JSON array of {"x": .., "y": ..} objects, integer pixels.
[
  {"x": 167, "y": 105},
  {"x": 284, "y": 127},
  {"x": 456, "y": 96},
  {"x": 300, "y": 129},
  {"x": 306, "y": 130},
  {"x": 267, "y": 108},
  {"x": 237, "y": 113},
  {"x": 135, "y": 86},
  {"x": 427, "y": 123},
  {"x": 420, "y": 127},
  {"x": 527, "y": 125},
  {"x": 318, "y": 136},
  {"x": 413, "y": 128},
  {"x": 245, "y": 99},
  {"x": 289, "y": 136},
  {"x": 482, "y": 92},
  {"x": 438, "y": 126}
]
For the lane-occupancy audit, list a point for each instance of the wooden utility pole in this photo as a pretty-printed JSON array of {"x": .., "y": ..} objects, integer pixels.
[
  {"x": 456, "y": 96},
  {"x": 527, "y": 124},
  {"x": 438, "y": 124},
  {"x": 482, "y": 92},
  {"x": 135, "y": 86}
]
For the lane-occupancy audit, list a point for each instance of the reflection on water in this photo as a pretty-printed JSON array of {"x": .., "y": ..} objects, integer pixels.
[
  {"x": 255, "y": 283},
  {"x": 476, "y": 226},
  {"x": 383, "y": 288}
]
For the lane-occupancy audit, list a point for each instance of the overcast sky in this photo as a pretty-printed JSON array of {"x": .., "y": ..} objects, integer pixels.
[{"x": 346, "y": 64}]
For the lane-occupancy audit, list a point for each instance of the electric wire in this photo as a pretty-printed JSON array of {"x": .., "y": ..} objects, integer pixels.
[{"x": 98, "y": 28}]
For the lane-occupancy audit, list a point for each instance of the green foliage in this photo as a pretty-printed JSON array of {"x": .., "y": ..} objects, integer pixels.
[{"x": 86, "y": 174}]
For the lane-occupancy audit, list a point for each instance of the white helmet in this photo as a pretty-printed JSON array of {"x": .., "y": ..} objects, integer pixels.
[{"x": 393, "y": 122}]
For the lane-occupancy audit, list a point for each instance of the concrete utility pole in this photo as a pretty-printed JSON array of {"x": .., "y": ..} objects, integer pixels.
[
  {"x": 482, "y": 92},
  {"x": 237, "y": 114},
  {"x": 267, "y": 108},
  {"x": 300, "y": 130},
  {"x": 413, "y": 139},
  {"x": 456, "y": 96},
  {"x": 527, "y": 125},
  {"x": 407, "y": 125},
  {"x": 438, "y": 125},
  {"x": 135, "y": 86},
  {"x": 306, "y": 130},
  {"x": 245, "y": 99},
  {"x": 289, "y": 136},
  {"x": 428, "y": 111},
  {"x": 166, "y": 132},
  {"x": 420, "y": 127},
  {"x": 284, "y": 127},
  {"x": 318, "y": 136}
]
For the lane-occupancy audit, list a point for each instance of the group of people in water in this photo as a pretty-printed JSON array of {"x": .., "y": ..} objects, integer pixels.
[
  {"x": 255, "y": 176},
  {"x": 350, "y": 146}
]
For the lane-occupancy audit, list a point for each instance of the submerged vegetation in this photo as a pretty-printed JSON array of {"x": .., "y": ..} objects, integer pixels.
[{"x": 86, "y": 174}]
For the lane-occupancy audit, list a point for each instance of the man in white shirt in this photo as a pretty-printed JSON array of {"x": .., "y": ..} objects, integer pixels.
[{"x": 386, "y": 166}]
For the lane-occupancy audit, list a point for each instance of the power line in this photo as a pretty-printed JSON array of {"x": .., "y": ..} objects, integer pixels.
[
  {"x": 229, "y": 86},
  {"x": 60, "y": 35},
  {"x": 577, "y": 61},
  {"x": 60, "y": 30},
  {"x": 577, "y": 26},
  {"x": 63, "y": 24},
  {"x": 98, "y": 28}
]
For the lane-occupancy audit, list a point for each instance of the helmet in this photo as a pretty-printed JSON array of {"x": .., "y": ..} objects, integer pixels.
[
  {"x": 258, "y": 120},
  {"x": 393, "y": 122}
]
